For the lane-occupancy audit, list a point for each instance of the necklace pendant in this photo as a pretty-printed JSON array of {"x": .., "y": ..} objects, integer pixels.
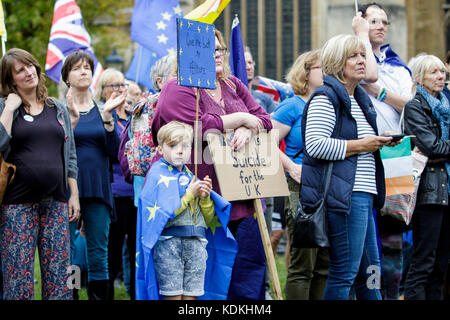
[{"x": 28, "y": 118}]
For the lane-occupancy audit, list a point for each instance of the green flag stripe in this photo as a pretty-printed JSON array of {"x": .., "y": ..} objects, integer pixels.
[{"x": 401, "y": 150}]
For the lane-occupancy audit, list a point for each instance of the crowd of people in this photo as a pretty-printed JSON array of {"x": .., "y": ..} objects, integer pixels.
[{"x": 73, "y": 176}]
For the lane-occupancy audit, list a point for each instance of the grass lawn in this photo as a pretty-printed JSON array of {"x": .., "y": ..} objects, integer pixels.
[{"x": 121, "y": 293}]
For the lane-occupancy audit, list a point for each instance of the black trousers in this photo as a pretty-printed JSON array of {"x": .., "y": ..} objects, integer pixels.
[
  {"x": 124, "y": 224},
  {"x": 431, "y": 252}
]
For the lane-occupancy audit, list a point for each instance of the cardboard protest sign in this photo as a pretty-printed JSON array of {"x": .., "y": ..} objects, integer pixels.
[
  {"x": 253, "y": 173},
  {"x": 196, "y": 54}
]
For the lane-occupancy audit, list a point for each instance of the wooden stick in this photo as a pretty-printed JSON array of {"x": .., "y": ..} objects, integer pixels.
[
  {"x": 196, "y": 132},
  {"x": 268, "y": 249}
]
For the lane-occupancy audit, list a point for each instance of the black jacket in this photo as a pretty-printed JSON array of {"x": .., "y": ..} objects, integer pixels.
[{"x": 419, "y": 121}]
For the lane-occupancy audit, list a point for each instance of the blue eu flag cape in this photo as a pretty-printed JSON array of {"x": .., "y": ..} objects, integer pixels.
[{"x": 160, "y": 197}]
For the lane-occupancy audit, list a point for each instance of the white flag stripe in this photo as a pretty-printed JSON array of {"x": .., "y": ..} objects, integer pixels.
[{"x": 398, "y": 167}]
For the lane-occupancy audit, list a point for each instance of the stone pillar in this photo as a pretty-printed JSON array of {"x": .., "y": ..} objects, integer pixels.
[{"x": 425, "y": 27}]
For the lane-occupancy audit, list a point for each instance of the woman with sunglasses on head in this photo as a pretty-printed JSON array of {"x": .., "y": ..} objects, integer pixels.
[{"x": 97, "y": 142}]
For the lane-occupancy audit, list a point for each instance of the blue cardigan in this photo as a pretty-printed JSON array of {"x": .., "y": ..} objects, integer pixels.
[{"x": 343, "y": 175}]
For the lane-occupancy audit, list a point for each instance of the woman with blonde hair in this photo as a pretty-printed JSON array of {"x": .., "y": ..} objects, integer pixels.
[
  {"x": 308, "y": 268},
  {"x": 123, "y": 222},
  {"x": 427, "y": 116},
  {"x": 339, "y": 125}
]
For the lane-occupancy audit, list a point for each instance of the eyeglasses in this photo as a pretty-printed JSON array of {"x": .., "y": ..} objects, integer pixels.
[
  {"x": 116, "y": 86},
  {"x": 376, "y": 21},
  {"x": 221, "y": 51}
]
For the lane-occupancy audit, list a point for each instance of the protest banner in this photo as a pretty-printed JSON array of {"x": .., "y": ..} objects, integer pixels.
[{"x": 252, "y": 173}]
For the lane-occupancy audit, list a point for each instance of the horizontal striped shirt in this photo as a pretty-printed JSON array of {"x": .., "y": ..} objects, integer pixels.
[{"x": 320, "y": 123}]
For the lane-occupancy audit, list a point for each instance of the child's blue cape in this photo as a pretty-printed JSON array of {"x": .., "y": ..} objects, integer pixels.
[{"x": 160, "y": 197}]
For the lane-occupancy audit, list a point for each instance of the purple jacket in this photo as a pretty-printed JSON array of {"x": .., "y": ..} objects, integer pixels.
[{"x": 178, "y": 103}]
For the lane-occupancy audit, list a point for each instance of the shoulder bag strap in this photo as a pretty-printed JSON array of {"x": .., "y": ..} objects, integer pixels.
[{"x": 330, "y": 165}]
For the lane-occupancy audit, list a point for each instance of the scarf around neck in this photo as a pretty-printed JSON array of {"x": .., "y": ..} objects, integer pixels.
[{"x": 441, "y": 111}]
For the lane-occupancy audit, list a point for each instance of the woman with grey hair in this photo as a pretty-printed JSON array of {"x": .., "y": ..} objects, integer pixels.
[
  {"x": 427, "y": 116},
  {"x": 339, "y": 125},
  {"x": 163, "y": 70}
]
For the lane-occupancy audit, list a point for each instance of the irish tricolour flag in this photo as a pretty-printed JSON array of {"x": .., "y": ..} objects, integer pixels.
[{"x": 398, "y": 168}]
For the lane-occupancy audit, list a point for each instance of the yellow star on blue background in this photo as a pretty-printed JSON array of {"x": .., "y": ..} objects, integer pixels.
[
  {"x": 152, "y": 212},
  {"x": 214, "y": 224},
  {"x": 166, "y": 180}
]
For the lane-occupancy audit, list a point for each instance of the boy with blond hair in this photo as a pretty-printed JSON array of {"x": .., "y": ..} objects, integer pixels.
[{"x": 183, "y": 207}]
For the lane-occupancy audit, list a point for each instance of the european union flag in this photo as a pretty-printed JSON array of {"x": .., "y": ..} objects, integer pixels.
[
  {"x": 140, "y": 67},
  {"x": 237, "y": 58},
  {"x": 153, "y": 25},
  {"x": 160, "y": 197}
]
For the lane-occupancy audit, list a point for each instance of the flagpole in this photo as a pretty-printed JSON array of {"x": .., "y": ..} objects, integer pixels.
[
  {"x": 356, "y": 7},
  {"x": 139, "y": 63},
  {"x": 196, "y": 131}
]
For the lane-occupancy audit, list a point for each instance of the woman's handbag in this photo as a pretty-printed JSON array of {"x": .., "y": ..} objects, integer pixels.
[
  {"x": 310, "y": 224},
  {"x": 7, "y": 172},
  {"x": 401, "y": 206}
]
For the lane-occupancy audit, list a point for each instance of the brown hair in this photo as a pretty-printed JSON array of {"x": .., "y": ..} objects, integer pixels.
[
  {"x": 72, "y": 59},
  {"x": 7, "y": 81}
]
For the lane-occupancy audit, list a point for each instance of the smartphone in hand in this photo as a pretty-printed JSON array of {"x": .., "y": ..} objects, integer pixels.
[{"x": 396, "y": 137}]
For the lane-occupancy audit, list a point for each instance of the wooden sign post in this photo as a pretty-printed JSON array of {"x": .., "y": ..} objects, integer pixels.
[{"x": 253, "y": 173}]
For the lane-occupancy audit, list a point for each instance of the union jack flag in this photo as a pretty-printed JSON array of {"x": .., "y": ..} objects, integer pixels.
[
  {"x": 276, "y": 89},
  {"x": 66, "y": 36}
]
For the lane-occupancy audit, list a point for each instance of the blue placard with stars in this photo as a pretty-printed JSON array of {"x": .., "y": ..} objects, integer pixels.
[{"x": 196, "y": 54}]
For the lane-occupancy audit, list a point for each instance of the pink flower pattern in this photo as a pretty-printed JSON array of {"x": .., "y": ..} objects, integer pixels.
[{"x": 22, "y": 228}]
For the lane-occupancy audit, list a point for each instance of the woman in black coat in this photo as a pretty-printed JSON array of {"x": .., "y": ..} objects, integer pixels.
[{"x": 427, "y": 116}]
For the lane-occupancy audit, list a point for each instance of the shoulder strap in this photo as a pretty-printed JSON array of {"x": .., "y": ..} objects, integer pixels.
[
  {"x": 330, "y": 165},
  {"x": 230, "y": 83}
]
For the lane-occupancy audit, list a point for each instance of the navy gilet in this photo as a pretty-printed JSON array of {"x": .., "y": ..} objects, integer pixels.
[{"x": 343, "y": 175}]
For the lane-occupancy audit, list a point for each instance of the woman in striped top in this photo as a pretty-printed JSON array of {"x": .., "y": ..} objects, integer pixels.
[{"x": 357, "y": 182}]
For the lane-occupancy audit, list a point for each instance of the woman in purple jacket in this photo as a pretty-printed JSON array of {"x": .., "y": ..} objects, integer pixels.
[{"x": 229, "y": 106}]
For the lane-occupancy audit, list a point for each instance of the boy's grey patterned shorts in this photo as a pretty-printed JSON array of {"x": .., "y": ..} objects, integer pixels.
[{"x": 180, "y": 265}]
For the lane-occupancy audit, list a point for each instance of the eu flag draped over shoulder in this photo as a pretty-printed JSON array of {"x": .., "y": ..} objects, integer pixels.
[
  {"x": 68, "y": 35},
  {"x": 237, "y": 58},
  {"x": 159, "y": 198}
]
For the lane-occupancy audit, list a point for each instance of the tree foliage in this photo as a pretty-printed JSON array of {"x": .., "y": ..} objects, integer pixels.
[{"x": 28, "y": 23}]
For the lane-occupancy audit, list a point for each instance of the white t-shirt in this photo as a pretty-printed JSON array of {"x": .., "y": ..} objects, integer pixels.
[{"x": 395, "y": 79}]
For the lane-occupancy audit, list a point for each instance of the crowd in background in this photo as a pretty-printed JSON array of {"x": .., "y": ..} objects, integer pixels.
[{"x": 73, "y": 178}]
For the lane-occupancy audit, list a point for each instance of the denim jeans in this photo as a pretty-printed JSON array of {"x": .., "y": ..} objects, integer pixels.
[
  {"x": 354, "y": 258},
  {"x": 96, "y": 220}
]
